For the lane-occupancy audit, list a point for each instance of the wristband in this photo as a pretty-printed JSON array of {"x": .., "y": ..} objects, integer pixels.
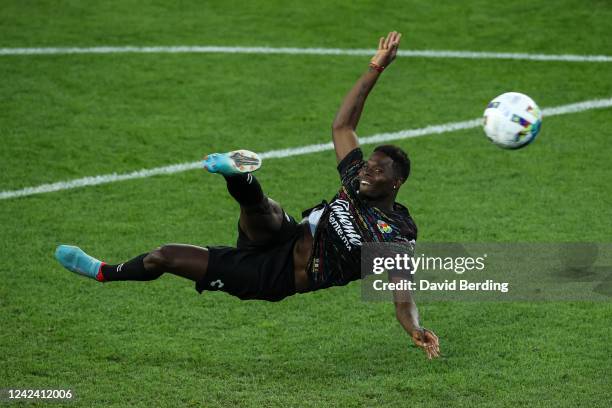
[{"x": 377, "y": 67}]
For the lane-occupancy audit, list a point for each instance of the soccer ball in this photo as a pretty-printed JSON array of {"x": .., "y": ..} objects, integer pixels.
[{"x": 512, "y": 120}]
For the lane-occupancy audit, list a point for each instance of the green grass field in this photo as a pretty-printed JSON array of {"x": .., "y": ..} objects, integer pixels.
[{"x": 64, "y": 117}]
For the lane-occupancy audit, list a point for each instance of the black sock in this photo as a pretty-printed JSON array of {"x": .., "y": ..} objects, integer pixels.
[
  {"x": 245, "y": 189},
  {"x": 133, "y": 269}
]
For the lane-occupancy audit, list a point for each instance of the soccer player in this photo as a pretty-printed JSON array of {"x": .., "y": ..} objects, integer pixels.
[{"x": 275, "y": 256}]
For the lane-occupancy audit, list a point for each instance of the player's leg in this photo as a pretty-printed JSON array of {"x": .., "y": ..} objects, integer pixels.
[
  {"x": 187, "y": 261},
  {"x": 260, "y": 216}
]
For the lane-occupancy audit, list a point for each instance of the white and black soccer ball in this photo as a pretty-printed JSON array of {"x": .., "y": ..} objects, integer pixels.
[{"x": 512, "y": 120}]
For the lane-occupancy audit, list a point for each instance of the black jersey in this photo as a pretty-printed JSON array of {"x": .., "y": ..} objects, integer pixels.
[{"x": 346, "y": 223}]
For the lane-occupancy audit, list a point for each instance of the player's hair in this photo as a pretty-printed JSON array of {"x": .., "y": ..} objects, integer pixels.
[{"x": 401, "y": 162}]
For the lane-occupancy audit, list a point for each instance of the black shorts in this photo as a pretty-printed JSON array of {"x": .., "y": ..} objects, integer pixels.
[{"x": 254, "y": 270}]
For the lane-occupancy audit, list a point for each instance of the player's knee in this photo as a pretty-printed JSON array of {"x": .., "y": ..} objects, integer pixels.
[
  {"x": 159, "y": 259},
  {"x": 260, "y": 208}
]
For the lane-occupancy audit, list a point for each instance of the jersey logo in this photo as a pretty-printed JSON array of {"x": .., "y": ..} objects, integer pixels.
[
  {"x": 341, "y": 221},
  {"x": 384, "y": 227},
  {"x": 217, "y": 284}
]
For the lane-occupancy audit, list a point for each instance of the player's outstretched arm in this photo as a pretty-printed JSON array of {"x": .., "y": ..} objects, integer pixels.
[
  {"x": 345, "y": 123},
  {"x": 408, "y": 316}
]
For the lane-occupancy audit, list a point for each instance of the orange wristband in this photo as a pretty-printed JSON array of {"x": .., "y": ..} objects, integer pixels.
[{"x": 377, "y": 67}]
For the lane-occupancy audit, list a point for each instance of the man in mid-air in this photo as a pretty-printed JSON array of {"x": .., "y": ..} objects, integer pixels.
[{"x": 275, "y": 256}]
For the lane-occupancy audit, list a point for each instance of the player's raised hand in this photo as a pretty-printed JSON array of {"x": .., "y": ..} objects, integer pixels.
[
  {"x": 387, "y": 49},
  {"x": 428, "y": 341}
]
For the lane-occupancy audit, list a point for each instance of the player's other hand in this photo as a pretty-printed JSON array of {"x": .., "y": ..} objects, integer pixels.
[
  {"x": 428, "y": 341},
  {"x": 387, "y": 49}
]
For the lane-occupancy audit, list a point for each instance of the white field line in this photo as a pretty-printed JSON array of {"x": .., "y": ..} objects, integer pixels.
[
  {"x": 293, "y": 151},
  {"x": 300, "y": 51}
]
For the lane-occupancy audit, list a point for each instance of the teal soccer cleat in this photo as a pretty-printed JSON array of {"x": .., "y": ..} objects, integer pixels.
[
  {"x": 75, "y": 260},
  {"x": 236, "y": 162}
]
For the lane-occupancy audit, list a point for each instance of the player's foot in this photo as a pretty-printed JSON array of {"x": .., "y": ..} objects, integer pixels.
[
  {"x": 75, "y": 260},
  {"x": 236, "y": 162}
]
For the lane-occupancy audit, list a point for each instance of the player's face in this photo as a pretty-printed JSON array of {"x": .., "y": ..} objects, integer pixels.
[{"x": 377, "y": 178}]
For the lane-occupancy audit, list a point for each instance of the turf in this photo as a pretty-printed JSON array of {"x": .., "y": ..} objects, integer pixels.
[{"x": 162, "y": 344}]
